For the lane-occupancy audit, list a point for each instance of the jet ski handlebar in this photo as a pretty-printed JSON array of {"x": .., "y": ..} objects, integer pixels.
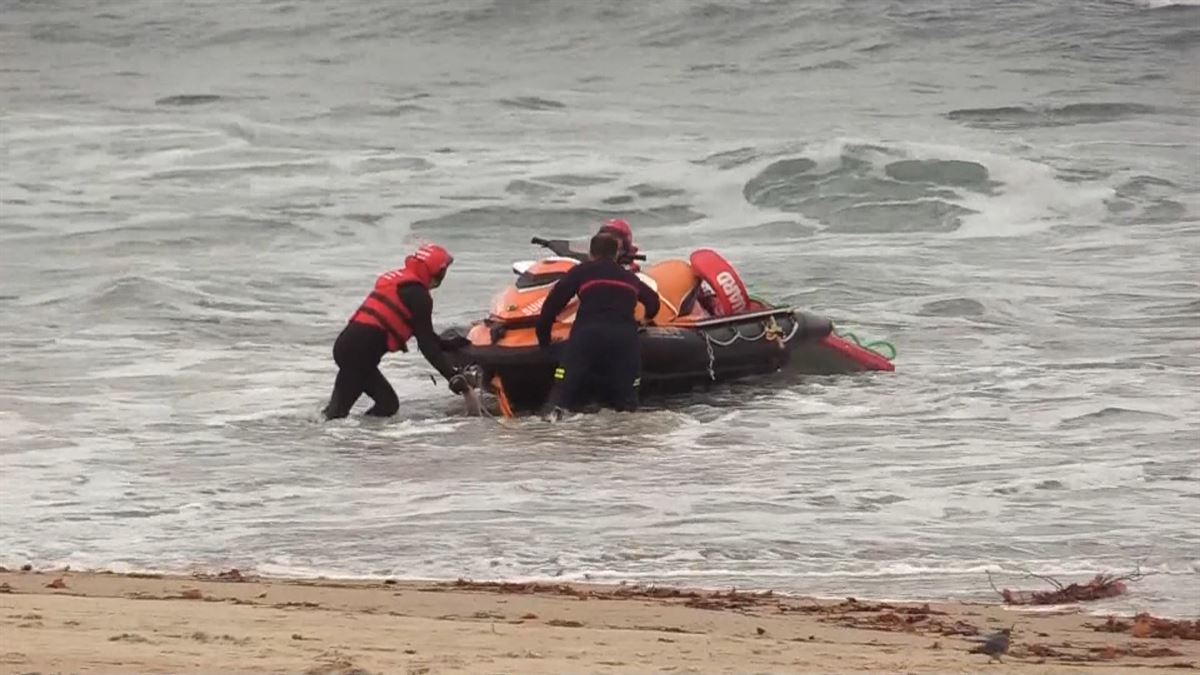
[{"x": 562, "y": 247}]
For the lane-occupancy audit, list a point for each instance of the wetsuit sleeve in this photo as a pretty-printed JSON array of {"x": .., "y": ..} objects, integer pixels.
[
  {"x": 420, "y": 303},
  {"x": 648, "y": 297},
  {"x": 559, "y": 296}
]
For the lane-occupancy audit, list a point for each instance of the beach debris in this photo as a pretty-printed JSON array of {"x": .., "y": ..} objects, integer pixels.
[
  {"x": 27, "y": 567},
  {"x": 892, "y": 618},
  {"x": 31, "y": 620},
  {"x": 995, "y": 645},
  {"x": 191, "y": 594},
  {"x": 529, "y": 616},
  {"x": 904, "y": 622},
  {"x": 1093, "y": 654},
  {"x": 5, "y": 588},
  {"x": 564, "y": 623},
  {"x": 297, "y": 636},
  {"x": 201, "y": 636},
  {"x": 661, "y": 629},
  {"x": 1112, "y": 625},
  {"x": 760, "y": 630},
  {"x": 851, "y": 612},
  {"x": 1146, "y": 626},
  {"x": 231, "y": 575},
  {"x": 1098, "y": 588},
  {"x": 57, "y": 583},
  {"x": 937, "y": 644},
  {"x": 333, "y": 662},
  {"x": 127, "y": 637},
  {"x": 410, "y": 652},
  {"x": 389, "y": 582},
  {"x": 852, "y": 605},
  {"x": 1042, "y": 650},
  {"x": 1111, "y": 652},
  {"x": 527, "y": 654}
]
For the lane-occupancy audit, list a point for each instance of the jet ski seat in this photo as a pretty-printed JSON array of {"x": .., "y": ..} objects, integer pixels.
[{"x": 678, "y": 288}]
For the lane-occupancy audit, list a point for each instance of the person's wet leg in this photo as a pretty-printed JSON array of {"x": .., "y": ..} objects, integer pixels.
[
  {"x": 357, "y": 352},
  {"x": 570, "y": 382},
  {"x": 571, "y": 375},
  {"x": 380, "y": 391},
  {"x": 625, "y": 371},
  {"x": 346, "y": 389}
]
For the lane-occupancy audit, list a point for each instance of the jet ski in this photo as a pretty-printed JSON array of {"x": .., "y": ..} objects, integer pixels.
[{"x": 709, "y": 329}]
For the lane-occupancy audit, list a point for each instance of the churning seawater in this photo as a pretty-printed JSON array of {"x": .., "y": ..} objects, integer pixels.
[{"x": 195, "y": 195}]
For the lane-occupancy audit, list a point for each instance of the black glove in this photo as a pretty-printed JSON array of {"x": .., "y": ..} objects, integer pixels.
[{"x": 458, "y": 383}]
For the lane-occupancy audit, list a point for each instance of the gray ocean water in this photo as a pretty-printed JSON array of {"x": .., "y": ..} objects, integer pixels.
[{"x": 195, "y": 195}]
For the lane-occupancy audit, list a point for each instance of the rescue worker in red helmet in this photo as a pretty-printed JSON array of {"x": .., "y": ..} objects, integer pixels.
[
  {"x": 620, "y": 230},
  {"x": 398, "y": 308}
]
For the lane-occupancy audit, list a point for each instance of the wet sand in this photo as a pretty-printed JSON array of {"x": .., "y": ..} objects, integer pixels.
[{"x": 100, "y": 622}]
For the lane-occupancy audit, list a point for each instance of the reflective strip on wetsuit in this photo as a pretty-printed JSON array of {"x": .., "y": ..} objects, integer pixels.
[
  {"x": 608, "y": 282},
  {"x": 560, "y": 373}
]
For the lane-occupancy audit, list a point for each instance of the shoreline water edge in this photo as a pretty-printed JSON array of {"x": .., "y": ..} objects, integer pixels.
[{"x": 72, "y": 621}]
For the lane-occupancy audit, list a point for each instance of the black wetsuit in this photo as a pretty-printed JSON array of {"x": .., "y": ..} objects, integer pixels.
[
  {"x": 359, "y": 349},
  {"x": 603, "y": 350}
]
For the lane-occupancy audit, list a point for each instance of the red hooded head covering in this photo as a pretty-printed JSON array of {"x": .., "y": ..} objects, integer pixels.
[
  {"x": 621, "y": 230},
  {"x": 429, "y": 263}
]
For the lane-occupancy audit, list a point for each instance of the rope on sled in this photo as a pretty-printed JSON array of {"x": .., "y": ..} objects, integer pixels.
[
  {"x": 872, "y": 346},
  {"x": 771, "y": 332}
]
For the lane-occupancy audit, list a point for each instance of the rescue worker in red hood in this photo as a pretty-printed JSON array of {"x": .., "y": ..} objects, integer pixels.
[
  {"x": 621, "y": 231},
  {"x": 603, "y": 355},
  {"x": 399, "y": 307}
]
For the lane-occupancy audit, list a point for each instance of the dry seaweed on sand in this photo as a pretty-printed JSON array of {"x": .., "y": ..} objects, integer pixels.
[{"x": 1146, "y": 626}]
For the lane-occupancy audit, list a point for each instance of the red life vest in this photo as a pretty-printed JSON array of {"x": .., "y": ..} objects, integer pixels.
[{"x": 384, "y": 310}]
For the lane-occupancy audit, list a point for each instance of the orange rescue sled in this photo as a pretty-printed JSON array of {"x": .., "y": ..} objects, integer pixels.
[{"x": 709, "y": 329}]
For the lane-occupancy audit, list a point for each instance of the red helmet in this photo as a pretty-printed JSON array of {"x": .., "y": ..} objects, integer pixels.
[
  {"x": 621, "y": 230},
  {"x": 430, "y": 262}
]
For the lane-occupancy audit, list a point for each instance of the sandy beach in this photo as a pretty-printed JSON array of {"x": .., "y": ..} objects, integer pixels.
[{"x": 100, "y": 622}]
